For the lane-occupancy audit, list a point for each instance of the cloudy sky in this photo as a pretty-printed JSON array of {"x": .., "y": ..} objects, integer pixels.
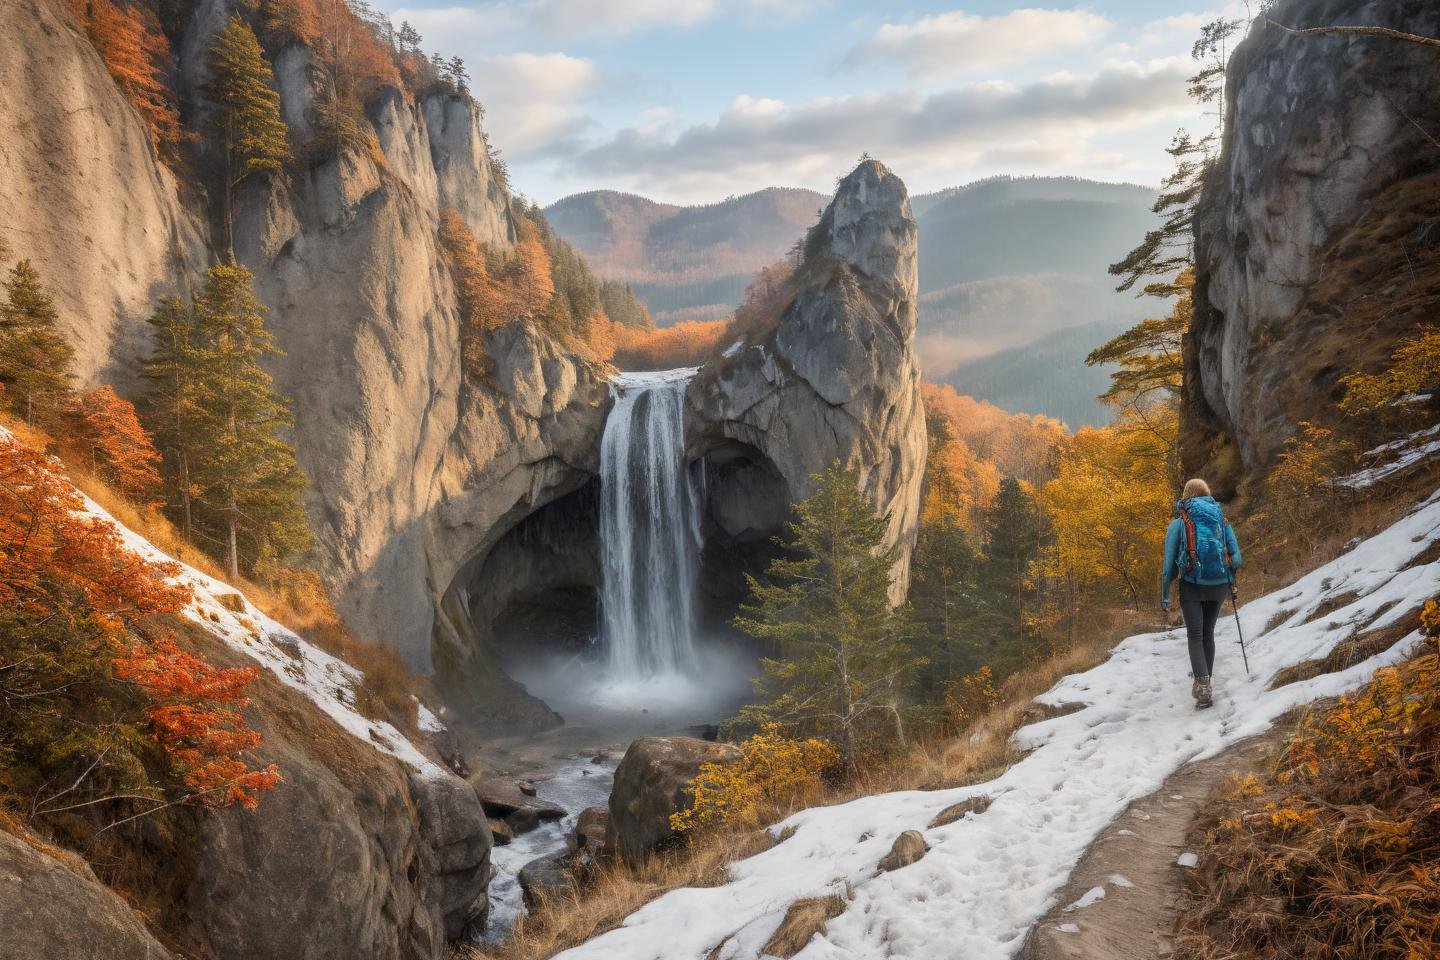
[{"x": 694, "y": 100}]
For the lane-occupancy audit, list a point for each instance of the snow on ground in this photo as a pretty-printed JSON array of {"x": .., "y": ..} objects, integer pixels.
[
  {"x": 327, "y": 681},
  {"x": 989, "y": 877},
  {"x": 651, "y": 378},
  {"x": 1394, "y": 457}
]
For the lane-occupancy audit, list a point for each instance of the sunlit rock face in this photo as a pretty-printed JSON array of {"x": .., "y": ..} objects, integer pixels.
[
  {"x": 837, "y": 380},
  {"x": 1324, "y": 148}
]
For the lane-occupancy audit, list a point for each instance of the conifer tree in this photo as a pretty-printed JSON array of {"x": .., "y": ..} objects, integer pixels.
[
  {"x": 843, "y": 655},
  {"x": 945, "y": 598},
  {"x": 247, "y": 109},
  {"x": 34, "y": 357},
  {"x": 248, "y": 473},
  {"x": 171, "y": 408},
  {"x": 1016, "y": 532}
]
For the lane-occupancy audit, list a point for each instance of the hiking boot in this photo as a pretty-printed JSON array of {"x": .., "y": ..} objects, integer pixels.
[{"x": 1200, "y": 690}]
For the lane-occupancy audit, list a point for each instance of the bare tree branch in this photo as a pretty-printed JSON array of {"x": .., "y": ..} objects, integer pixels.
[{"x": 1385, "y": 32}]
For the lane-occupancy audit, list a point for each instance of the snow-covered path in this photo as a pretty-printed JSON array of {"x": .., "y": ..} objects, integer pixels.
[{"x": 988, "y": 877}]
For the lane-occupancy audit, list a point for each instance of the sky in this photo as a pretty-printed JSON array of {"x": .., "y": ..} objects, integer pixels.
[{"x": 691, "y": 101}]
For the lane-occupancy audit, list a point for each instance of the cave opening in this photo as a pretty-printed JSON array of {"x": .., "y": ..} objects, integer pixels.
[{"x": 531, "y": 602}]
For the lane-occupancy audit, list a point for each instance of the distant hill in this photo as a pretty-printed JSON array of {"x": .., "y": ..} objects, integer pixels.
[
  {"x": 1005, "y": 263},
  {"x": 1047, "y": 375},
  {"x": 686, "y": 263}
]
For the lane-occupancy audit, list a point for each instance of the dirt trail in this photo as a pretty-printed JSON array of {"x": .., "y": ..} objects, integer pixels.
[{"x": 1135, "y": 862}]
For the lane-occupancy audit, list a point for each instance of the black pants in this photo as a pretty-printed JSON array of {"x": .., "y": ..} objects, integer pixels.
[{"x": 1201, "y": 607}]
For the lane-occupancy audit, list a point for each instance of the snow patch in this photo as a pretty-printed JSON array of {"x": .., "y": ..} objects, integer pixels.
[
  {"x": 989, "y": 877},
  {"x": 1120, "y": 880},
  {"x": 1398, "y": 456},
  {"x": 1187, "y": 859},
  {"x": 1092, "y": 896},
  {"x": 733, "y": 349}
]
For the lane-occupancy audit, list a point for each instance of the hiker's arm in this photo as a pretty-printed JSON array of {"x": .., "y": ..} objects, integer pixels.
[
  {"x": 1171, "y": 568},
  {"x": 1234, "y": 547}
]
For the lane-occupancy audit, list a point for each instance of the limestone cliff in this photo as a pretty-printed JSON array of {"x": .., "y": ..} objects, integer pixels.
[
  {"x": 81, "y": 194},
  {"x": 1325, "y": 190},
  {"x": 837, "y": 379}
]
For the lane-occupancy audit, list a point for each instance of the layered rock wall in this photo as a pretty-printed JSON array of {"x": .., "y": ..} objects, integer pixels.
[{"x": 1326, "y": 137}]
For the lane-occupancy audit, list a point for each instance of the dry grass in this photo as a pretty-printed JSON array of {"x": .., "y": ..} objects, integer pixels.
[
  {"x": 1335, "y": 854},
  {"x": 293, "y": 597}
]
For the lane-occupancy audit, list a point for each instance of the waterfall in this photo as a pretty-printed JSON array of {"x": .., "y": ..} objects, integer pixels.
[{"x": 649, "y": 529}]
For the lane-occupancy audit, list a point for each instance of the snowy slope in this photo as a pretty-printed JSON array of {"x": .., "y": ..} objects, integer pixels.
[
  {"x": 326, "y": 680},
  {"x": 988, "y": 877}
]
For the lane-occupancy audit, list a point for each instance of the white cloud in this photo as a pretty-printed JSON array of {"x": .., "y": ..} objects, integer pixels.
[
  {"x": 1048, "y": 124},
  {"x": 955, "y": 42},
  {"x": 531, "y": 98}
]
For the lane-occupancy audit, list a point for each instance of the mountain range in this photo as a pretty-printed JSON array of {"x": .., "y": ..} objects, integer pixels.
[{"x": 1006, "y": 264}]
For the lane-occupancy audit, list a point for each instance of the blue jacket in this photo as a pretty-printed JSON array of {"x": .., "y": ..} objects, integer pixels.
[{"x": 1175, "y": 548}]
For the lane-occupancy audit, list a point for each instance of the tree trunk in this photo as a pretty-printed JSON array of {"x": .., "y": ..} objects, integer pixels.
[
  {"x": 185, "y": 520},
  {"x": 232, "y": 510}
]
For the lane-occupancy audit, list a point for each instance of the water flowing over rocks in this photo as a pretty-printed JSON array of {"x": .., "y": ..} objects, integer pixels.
[
  {"x": 836, "y": 380},
  {"x": 1324, "y": 146}
]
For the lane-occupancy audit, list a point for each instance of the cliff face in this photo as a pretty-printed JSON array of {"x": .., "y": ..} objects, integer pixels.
[
  {"x": 81, "y": 193},
  {"x": 411, "y": 463},
  {"x": 1324, "y": 191},
  {"x": 837, "y": 380}
]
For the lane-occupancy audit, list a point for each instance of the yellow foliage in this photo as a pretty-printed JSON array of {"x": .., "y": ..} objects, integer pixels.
[
  {"x": 971, "y": 697},
  {"x": 1109, "y": 505},
  {"x": 773, "y": 770},
  {"x": 1414, "y": 368}
]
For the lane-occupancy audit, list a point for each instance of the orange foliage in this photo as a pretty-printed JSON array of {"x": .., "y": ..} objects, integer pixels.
[
  {"x": 46, "y": 543},
  {"x": 137, "y": 54},
  {"x": 110, "y": 434},
  {"x": 683, "y": 345},
  {"x": 1020, "y": 445},
  {"x": 357, "y": 61},
  {"x": 196, "y": 719}
]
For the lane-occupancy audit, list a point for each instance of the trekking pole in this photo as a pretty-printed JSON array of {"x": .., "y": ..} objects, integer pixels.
[{"x": 1235, "y": 605}]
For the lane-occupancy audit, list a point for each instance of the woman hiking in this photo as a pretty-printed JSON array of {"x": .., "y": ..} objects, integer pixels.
[{"x": 1201, "y": 550}]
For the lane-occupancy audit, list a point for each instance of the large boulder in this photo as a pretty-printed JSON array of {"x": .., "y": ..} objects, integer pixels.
[
  {"x": 1316, "y": 222},
  {"x": 57, "y": 908},
  {"x": 836, "y": 380},
  {"x": 355, "y": 853},
  {"x": 651, "y": 783},
  {"x": 546, "y": 877}
]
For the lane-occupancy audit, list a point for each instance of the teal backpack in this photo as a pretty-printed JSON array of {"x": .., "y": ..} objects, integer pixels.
[{"x": 1207, "y": 559}]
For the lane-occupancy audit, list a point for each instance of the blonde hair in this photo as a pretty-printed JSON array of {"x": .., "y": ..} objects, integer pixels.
[{"x": 1195, "y": 488}]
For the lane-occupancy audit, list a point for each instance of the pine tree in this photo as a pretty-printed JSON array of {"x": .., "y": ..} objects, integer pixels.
[
  {"x": 247, "y": 109},
  {"x": 844, "y": 658},
  {"x": 945, "y": 598},
  {"x": 34, "y": 357},
  {"x": 248, "y": 473},
  {"x": 171, "y": 406},
  {"x": 1148, "y": 359},
  {"x": 1016, "y": 532}
]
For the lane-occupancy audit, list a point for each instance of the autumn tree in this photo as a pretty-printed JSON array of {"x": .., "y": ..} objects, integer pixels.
[
  {"x": 843, "y": 660},
  {"x": 248, "y": 474},
  {"x": 1108, "y": 508},
  {"x": 138, "y": 56},
  {"x": 34, "y": 357},
  {"x": 246, "y": 118},
  {"x": 118, "y": 447},
  {"x": 75, "y": 733}
]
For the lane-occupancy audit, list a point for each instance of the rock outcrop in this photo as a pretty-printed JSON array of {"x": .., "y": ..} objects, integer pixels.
[
  {"x": 353, "y": 854},
  {"x": 837, "y": 379},
  {"x": 55, "y": 908},
  {"x": 1324, "y": 191},
  {"x": 652, "y": 782}
]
